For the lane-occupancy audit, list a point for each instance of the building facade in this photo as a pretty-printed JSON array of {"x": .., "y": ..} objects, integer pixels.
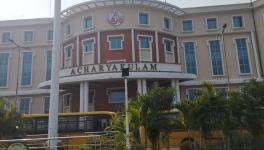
[{"x": 158, "y": 41}]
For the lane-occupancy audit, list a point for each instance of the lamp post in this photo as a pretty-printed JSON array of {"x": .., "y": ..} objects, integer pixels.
[
  {"x": 125, "y": 74},
  {"x": 19, "y": 47},
  {"x": 54, "y": 90},
  {"x": 225, "y": 56}
]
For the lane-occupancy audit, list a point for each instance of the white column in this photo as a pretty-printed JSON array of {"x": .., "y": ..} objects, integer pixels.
[
  {"x": 54, "y": 92},
  {"x": 178, "y": 92},
  {"x": 86, "y": 96},
  {"x": 256, "y": 55},
  {"x": 175, "y": 84},
  {"x": 133, "y": 45},
  {"x": 78, "y": 51},
  {"x": 144, "y": 86},
  {"x": 178, "y": 50},
  {"x": 157, "y": 45},
  {"x": 139, "y": 86},
  {"x": 81, "y": 97},
  {"x": 98, "y": 48}
]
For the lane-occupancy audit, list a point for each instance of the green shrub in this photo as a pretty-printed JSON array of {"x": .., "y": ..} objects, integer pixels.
[
  {"x": 187, "y": 145},
  {"x": 138, "y": 147}
]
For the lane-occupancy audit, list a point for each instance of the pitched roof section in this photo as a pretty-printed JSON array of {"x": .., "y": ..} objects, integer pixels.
[{"x": 101, "y": 3}]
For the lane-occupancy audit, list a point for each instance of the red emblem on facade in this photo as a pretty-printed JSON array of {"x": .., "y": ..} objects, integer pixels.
[{"x": 115, "y": 18}]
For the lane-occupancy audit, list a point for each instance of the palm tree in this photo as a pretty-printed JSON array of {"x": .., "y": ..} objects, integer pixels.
[{"x": 154, "y": 104}]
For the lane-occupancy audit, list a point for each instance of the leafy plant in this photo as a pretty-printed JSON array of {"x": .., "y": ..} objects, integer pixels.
[{"x": 11, "y": 122}]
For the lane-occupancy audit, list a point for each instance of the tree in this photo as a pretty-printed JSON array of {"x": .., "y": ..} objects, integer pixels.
[
  {"x": 118, "y": 124},
  {"x": 154, "y": 104},
  {"x": 211, "y": 110},
  {"x": 11, "y": 122},
  {"x": 252, "y": 94}
]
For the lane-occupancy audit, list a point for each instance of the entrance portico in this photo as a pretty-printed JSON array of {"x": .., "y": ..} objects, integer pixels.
[{"x": 100, "y": 87}]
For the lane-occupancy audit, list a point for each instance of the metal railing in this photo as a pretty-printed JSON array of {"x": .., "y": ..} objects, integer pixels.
[{"x": 90, "y": 141}]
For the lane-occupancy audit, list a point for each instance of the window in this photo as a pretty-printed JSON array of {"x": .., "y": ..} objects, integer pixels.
[
  {"x": 88, "y": 45},
  {"x": 116, "y": 95},
  {"x": 26, "y": 69},
  {"x": 193, "y": 93},
  {"x": 143, "y": 18},
  {"x": 190, "y": 58},
  {"x": 68, "y": 51},
  {"x": 28, "y": 36},
  {"x": 168, "y": 46},
  {"x": 216, "y": 57},
  {"x": 211, "y": 23},
  {"x": 115, "y": 42},
  {"x": 68, "y": 29},
  {"x": 88, "y": 22},
  {"x": 68, "y": 56},
  {"x": 238, "y": 22},
  {"x": 6, "y": 36},
  {"x": 144, "y": 42},
  {"x": 67, "y": 102},
  {"x": 24, "y": 105},
  {"x": 48, "y": 65},
  {"x": 187, "y": 26},
  {"x": 91, "y": 96},
  {"x": 167, "y": 23},
  {"x": 46, "y": 103},
  {"x": 4, "y": 62},
  {"x": 50, "y": 35},
  {"x": 243, "y": 58}
]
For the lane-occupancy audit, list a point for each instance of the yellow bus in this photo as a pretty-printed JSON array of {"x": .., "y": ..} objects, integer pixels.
[{"x": 76, "y": 124}]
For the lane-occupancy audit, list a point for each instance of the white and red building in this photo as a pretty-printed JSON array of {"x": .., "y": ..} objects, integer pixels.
[{"x": 158, "y": 41}]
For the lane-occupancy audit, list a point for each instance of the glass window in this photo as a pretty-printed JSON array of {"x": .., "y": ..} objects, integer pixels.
[
  {"x": 26, "y": 68},
  {"x": 24, "y": 106},
  {"x": 211, "y": 23},
  {"x": 50, "y": 35},
  {"x": 68, "y": 29},
  {"x": 91, "y": 96},
  {"x": 67, "y": 103},
  {"x": 238, "y": 21},
  {"x": 28, "y": 36},
  {"x": 193, "y": 93},
  {"x": 88, "y": 46},
  {"x": 4, "y": 58},
  {"x": 143, "y": 19},
  {"x": 115, "y": 42},
  {"x": 187, "y": 26},
  {"x": 168, "y": 45},
  {"x": 216, "y": 57},
  {"x": 243, "y": 57},
  {"x": 48, "y": 65},
  {"x": 68, "y": 51},
  {"x": 144, "y": 42},
  {"x": 46, "y": 100},
  {"x": 117, "y": 96},
  {"x": 167, "y": 23},
  {"x": 88, "y": 22},
  {"x": 6, "y": 36},
  {"x": 190, "y": 58}
]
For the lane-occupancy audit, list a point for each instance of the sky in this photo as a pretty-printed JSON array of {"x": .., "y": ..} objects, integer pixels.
[{"x": 25, "y": 9}]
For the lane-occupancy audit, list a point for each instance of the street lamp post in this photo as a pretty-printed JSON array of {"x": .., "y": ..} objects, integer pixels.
[
  {"x": 54, "y": 90},
  {"x": 225, "y": 55},
  {"x": 125, "y": 74}
]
